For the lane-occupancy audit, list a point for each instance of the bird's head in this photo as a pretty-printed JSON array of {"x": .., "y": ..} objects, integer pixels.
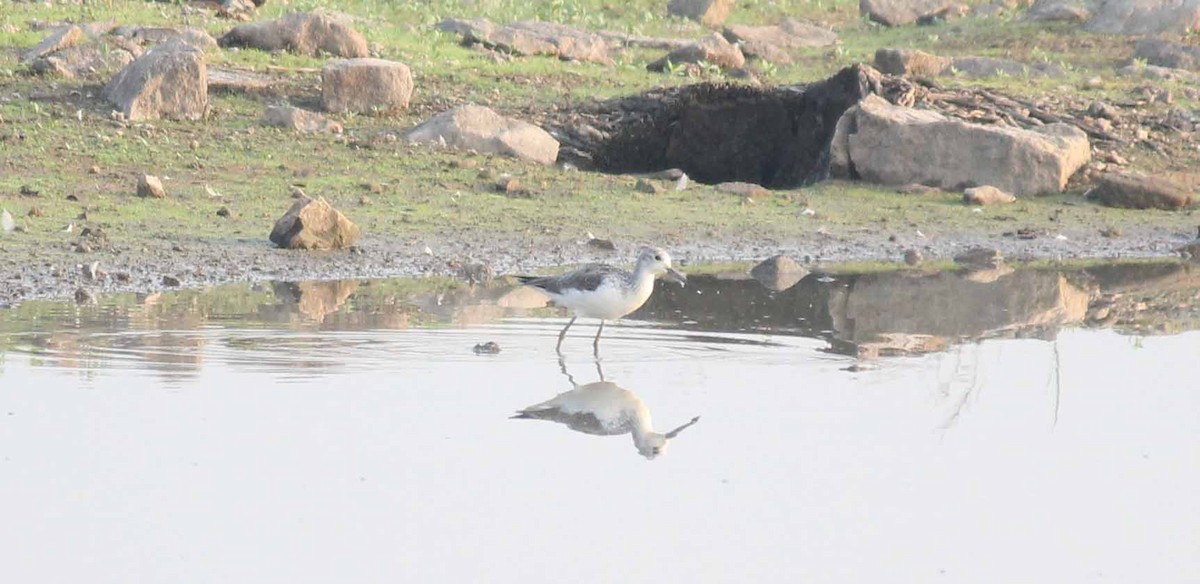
[{"x": 658, "y": 262}]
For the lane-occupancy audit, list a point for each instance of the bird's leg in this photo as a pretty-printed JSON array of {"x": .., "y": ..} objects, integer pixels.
[
  {"x": 563, "y": 335},
  {"x": 596, "y": 343}
]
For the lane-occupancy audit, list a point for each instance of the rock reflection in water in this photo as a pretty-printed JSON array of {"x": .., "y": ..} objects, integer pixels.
[
  {"x": 603, "y": 408},
  {"x": 907, "y": 312}
]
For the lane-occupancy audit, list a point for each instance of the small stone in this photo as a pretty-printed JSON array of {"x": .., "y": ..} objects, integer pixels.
[
  {"x": 1099, "y": 109},
  {"x": 171, "y": 281},
  {"x": 477, "y": 273},
  {"x": 602, "y": 244},
  {"x": 979, "y": 258},
  {"x": 83, "y": 247},
  {"x": 1094, "y": 83},
  {"x": 913, "y": 257},
  {"x": 917, "y": 189},
  {"x": 750, "y": 191},
  {"x": 508, "y": 185},
  {"x": 464, "y": 163},
  {"x": 987, "y": 195},
  {"x": 488, "y": 348},
  {"x": 364, "y": 200},
  {"x": 1110, "y": 232},
  {"x": 123, "y": 277},
  {"x": 150, "y": 186},
  {"x": 645, "y": 186},
  {"x": 84, "y": 296},
  {"x": 36, "y": 212},
  {"x": 373, "y": 188},
  {"x": 94, "y": 170},
  {"x": 225, "y": 212}
]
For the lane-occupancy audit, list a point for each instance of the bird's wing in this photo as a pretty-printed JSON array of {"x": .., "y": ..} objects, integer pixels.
[{"x": 588, "y": 277}]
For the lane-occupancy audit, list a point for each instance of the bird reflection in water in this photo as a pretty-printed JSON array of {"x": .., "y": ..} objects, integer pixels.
[{"x": 604, "y": 408}]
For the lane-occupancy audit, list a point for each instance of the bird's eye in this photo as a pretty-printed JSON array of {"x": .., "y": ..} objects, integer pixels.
[{"x": 657, "y": 258}]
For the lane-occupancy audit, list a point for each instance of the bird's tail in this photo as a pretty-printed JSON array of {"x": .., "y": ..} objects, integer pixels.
[{"x": 535, "y": 281}]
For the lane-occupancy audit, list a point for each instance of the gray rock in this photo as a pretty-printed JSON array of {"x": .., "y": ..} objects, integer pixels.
[
  {"x": 789, "y": 34},
  {"x": 294, "y": 118},
  {"x": 314, "y": 224},
  {"x": 987, "y": 195},
  {"x": 1135, "y": 191},
  {"x": 886, "y": 144},
  {"x": 1058, "y": 11},
  {"x": 153, "y": 35},
  {"x": 918, "y": 63},
  {"x": 473, "y": 127},
  {"x": 240, "y": 81},
  {"x": 1158, "y": 73},
  {"x": 744, "y": 189},
  {"x": 365, "y": 86},
  {"x": 706, "y": 12},
  {"x": 1169, "y": 54},
  {"x": 901, "y": 12},
  {"x": 532, "y": 38},
  {"x": 96, "y": 59},
  {"x": 1145, "y": 16},
  {"x": 304, "y": 33},
  {"x": 712, "y": 49},
  {"x": 169, "y": 81},
  {"x": 910, "y": 62},
  {"x": 778, "y": 272},
  {"x": 58, "y": 40},
  {"x": 151, "y": 186}
]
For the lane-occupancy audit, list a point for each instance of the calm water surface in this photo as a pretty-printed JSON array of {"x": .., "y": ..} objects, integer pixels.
[{"x": 1039, "y": 426}]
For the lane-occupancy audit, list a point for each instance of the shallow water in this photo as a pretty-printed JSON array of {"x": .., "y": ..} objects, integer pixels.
[{"x": 1035, "y": 426}]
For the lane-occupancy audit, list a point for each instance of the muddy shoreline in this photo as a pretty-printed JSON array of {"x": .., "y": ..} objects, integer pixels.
[{"x": 39, "y": 272}]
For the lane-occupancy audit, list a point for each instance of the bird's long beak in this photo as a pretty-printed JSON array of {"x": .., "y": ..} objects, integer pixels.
[
  {"x": 674, "y": 276},
  {"x": 676, "y": 431}
]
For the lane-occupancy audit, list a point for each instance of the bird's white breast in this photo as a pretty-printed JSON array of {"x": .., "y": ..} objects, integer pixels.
[{"x": 608, "y": 301}]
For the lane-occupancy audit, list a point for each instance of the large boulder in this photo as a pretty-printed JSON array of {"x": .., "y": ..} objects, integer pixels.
[
  {"x": 479, "y": 128},
  {"x": 305, "y": 33},
  {"x": 887, "y": 144},
  {"x": 901, "y": 12},
  {"x": 712, "y": 49},
  {"x": 314, "y": 224},
  {"x": 168, "y": 81},
  {"x": 531, "y": 37},
  {"x": 706, "y": 12},
  {"x": 1169, "y": 54},
  {"x": 1134, "y": 191},
  {"x": 365, "y": 86},
  {"x": 1145, "y": 16}
]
